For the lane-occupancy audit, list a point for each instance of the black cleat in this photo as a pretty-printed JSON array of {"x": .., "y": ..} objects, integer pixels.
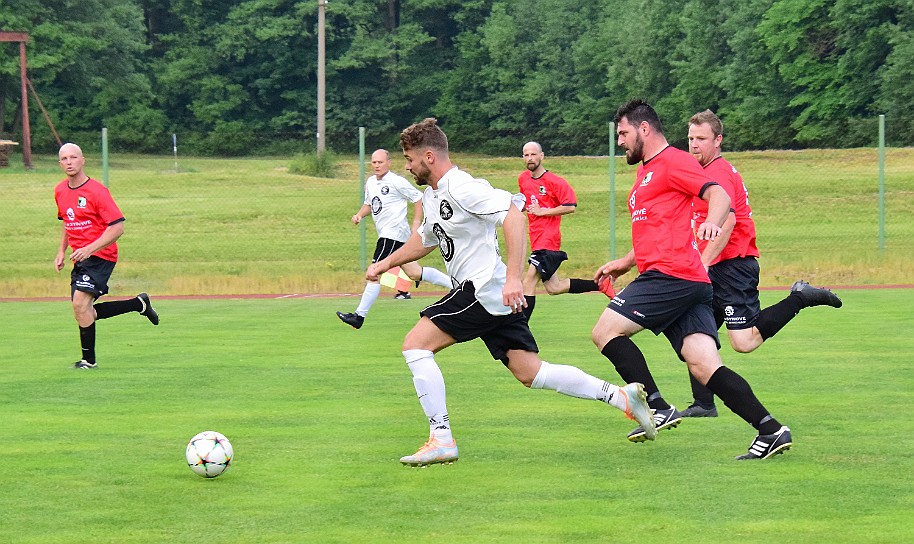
[
  {"x": 697, "y": 410},
  {"x": 83, "y": 364},
  {"x": 663, "y": 419},
  {"x": 815, "y": 296},
  {"x": 148, "y": 310},
  {"x": 353, "y": 320},
  {"x": 402, "y": 296},
  {"x": 767, "y": 445}
]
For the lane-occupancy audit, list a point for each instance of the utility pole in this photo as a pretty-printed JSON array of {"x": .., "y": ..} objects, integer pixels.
[
  {"x": 321, "y": 90},
  {"x": 22, "y": 37}
]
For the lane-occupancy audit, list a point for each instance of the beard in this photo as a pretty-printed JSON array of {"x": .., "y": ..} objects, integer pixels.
[
  {"x": 421, "y": 173},
  {"x": 533, "y": 165},
  {"x": 635, "y": 153}
]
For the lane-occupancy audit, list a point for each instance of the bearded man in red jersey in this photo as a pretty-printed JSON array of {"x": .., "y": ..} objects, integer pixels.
[
  {"x": 672, "y": 293},
  {"x": 547, "y": 198}
]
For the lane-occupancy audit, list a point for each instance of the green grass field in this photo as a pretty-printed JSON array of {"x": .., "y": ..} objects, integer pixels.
[
  {"x": 319, "y": 414},
  {"x": 237, "y": 226}
]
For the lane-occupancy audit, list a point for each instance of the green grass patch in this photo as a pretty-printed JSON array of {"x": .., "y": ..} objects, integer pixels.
[
  {"x": 319, "y": 414},
  {"x": 235, "y": 226}
]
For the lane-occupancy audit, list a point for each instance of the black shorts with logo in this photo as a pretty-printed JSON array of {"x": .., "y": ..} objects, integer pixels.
[
  {"x": 673, "y": 306},
  {"x": 547, "y": 262},
  {"x": 91, "y": 276},
  {"x": 384, "y": 248},
  {"x": 462, "y": 316},
  {"x": 736, "y": 292}
]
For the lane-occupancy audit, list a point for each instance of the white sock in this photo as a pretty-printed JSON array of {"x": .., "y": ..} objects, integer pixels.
[
  {"x": 369, "y": 295},
  {"x": 429, "y": 385},
  {"x": 574, "y": 382},
  {"x": 433, "y": 275}
]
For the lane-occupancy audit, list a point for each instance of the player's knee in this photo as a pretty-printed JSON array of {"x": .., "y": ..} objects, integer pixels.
[{"x": 744, "y": 343}]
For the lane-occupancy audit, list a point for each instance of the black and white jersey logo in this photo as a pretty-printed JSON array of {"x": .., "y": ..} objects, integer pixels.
[
  {"x": 445, "y": 210},
  {"x": 375, "y": 205},
  {"x": 445, "y": 243},
  {"x": 385, "y": 190}
]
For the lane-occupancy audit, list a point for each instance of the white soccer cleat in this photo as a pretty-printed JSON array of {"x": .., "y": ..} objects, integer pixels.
[
  {"x": 636, "y": 408},
  {"x": 432, "y": 452}
]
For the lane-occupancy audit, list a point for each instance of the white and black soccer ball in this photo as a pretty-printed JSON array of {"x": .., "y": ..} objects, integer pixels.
[{"x": 209, "y": 454}]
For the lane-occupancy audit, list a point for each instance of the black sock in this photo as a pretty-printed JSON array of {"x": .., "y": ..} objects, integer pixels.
[
  {"x": 104, "y": 310},
  {"x": 631, "y": 366},
  {"x": 773, "y": 318},
  {"x": 87, "y": 341},
  {"x": 582, "y": 286},
  {"x": 531, "y": 303},
  {"x": 737, "y": 395},
  {"x": 702, "y": 395}
]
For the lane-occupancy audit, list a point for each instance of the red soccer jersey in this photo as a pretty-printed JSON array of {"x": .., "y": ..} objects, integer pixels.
[
  {"x": 550, "y": 191},
  {"x": 86, "y": 212},
  {"x": 742, "y": 239},
  {"x": 661, "y": 207}
]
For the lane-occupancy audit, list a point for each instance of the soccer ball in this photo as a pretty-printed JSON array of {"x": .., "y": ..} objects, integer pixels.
[{"x": 209, "y": 454}]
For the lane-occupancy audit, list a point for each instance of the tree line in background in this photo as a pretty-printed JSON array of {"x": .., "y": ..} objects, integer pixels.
[{"x": 240, "y": 76}]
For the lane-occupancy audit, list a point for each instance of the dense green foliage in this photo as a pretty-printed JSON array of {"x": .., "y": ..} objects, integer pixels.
[{"x": 240, "y": 76}]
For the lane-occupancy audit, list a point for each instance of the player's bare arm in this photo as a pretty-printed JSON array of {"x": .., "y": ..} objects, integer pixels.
[
  {"x": 412, "y": 250},
  {"x": 713, "y": 249},
  {"x": 111, "y": 234},
  {"x": 361, "y": 214},
  {"x": 535, "y": 209},
  {"x": 417, "y": 215},
  {"x": 615, "y": 268},
  {"x": 718, "y": 207},
  {"x": 515, "y": 229},
  {"x": 62, "y": 251}
]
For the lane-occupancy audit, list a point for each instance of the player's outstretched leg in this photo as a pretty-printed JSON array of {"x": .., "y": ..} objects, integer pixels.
[{"x": 574, "y": 382}]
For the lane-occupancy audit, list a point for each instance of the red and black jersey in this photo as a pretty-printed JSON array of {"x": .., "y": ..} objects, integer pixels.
[
  {"x": 660, "y": 204},
  {"x": 86, "y": 212},
  {"x": 742, "y": 239},
  {"x": 549, "y": 191}
]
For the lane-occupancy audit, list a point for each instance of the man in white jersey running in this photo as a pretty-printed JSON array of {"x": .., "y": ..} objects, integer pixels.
[
  {"x": 386, "y": 195},
  {"x": 461, "y": 217}
]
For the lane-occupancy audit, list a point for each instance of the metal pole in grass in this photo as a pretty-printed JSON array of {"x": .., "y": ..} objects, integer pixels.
[
  {"x": 612, "y": 190},
  {"x": 882, "y": 182},
  {"x": 105, "y": 156},
  {"x": 362, "y": 193}
]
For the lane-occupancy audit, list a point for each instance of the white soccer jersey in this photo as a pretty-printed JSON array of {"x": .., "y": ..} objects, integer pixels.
[
  {"x": 461, "y": 219},
  {"x": 387, "y": 198}
]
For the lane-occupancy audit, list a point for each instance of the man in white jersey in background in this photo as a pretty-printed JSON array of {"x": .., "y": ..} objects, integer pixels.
[
  {"x": 386, "y": 195},
  {"x": 461, "y": 217}
]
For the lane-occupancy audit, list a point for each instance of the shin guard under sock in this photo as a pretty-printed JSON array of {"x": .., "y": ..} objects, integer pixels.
[
  {"x": 737, "y": 395},
  {"x": 631, "y": 366}
]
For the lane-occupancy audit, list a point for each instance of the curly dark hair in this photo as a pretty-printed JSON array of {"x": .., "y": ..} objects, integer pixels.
[
  {"x": 638, "y": 111},
  {"x": 426, "y": 134}
]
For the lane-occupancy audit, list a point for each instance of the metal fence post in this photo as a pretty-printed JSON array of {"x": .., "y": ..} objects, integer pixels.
[
  {"x": 362, "y": 194},
  {"x": 612, "y": 190},
  {"x": 105, "y": 156},
  {"x": 882, "y": 182}
]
